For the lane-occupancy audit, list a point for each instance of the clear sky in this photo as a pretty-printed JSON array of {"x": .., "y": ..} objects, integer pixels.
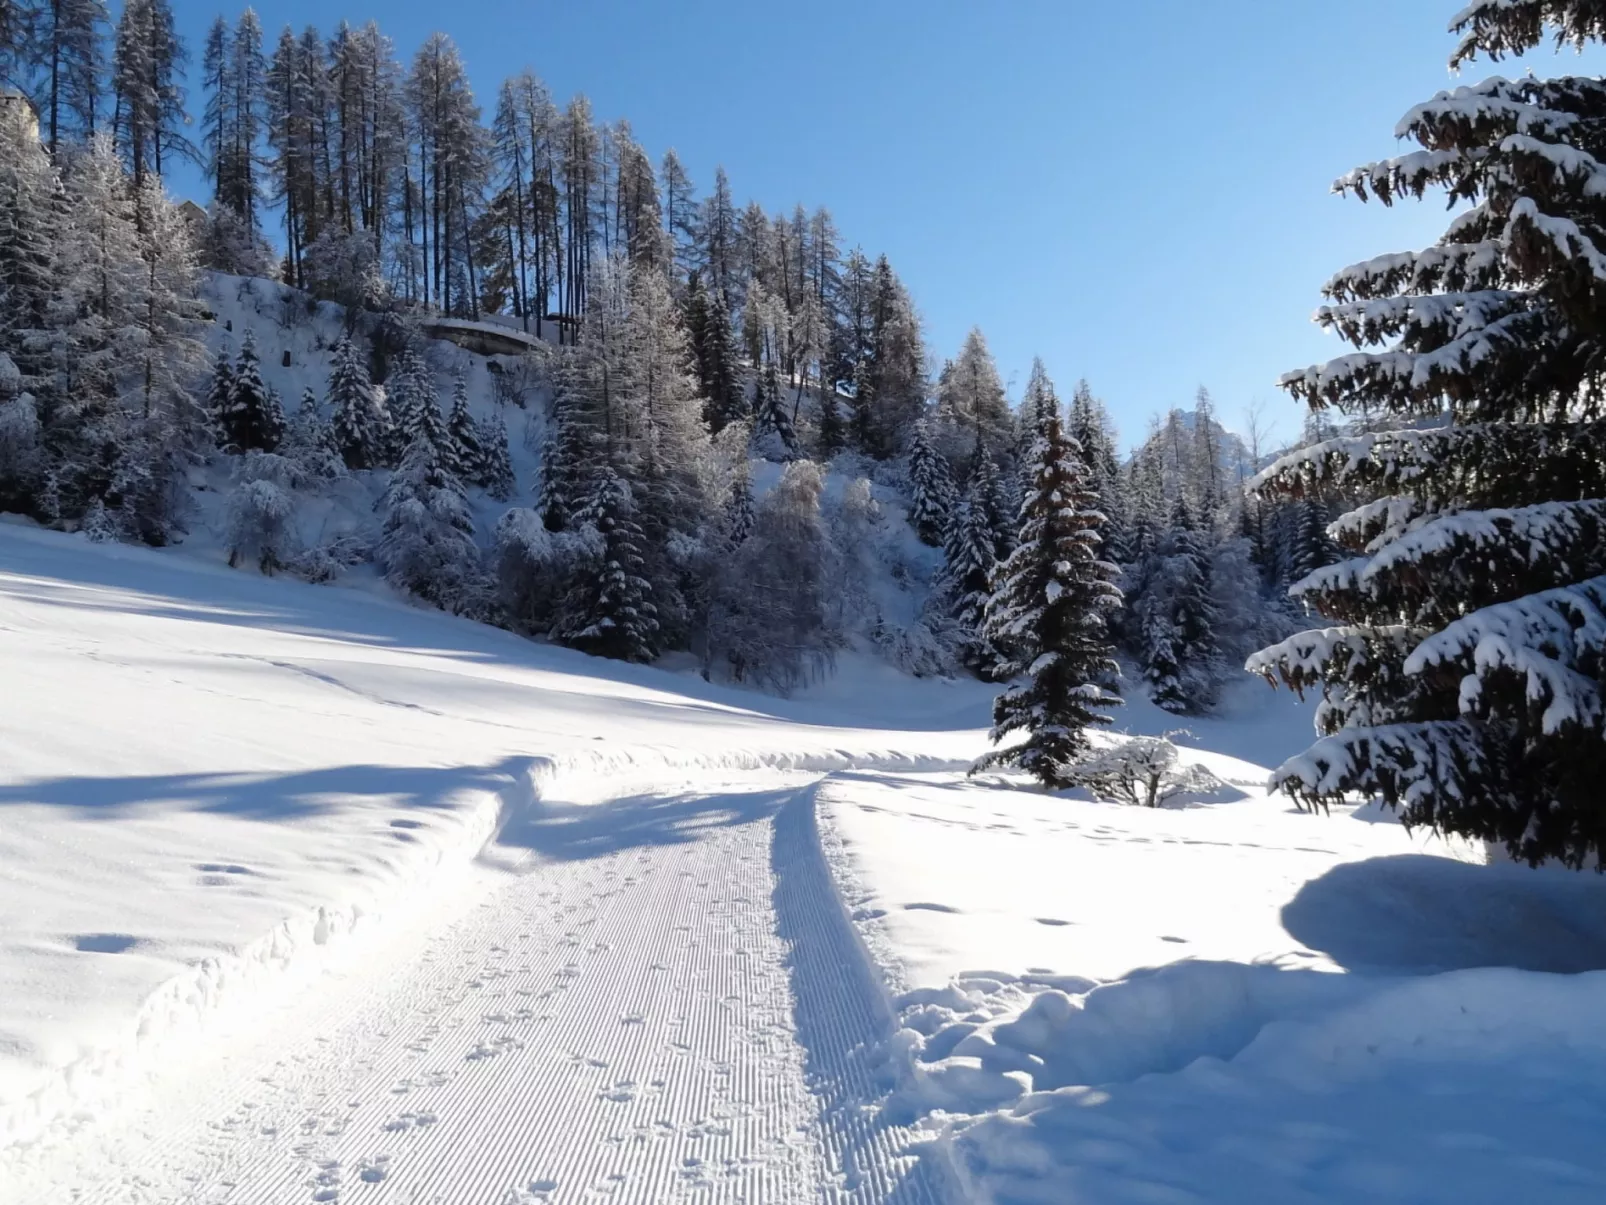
[{"x": 1135, "y": 191}]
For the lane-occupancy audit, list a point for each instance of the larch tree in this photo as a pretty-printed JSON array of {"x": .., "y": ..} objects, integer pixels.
[
  {"x": 1462, "y": 679},
  {"x": 69, "y": 60},
  {"x": 148, "y": 65},
  {"x": 681, "y": 215},
  {"x": 972, "y": 410}
]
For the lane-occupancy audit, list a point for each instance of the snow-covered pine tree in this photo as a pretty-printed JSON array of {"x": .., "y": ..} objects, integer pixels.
[
  {"x": 409, "y": 398},
  {"x": 360, "y": 427},
  {"x": 565, "y": 460},
  {"x": 496, "y": 462},
  {"x": 1049, "y": 611},
  {"x": 220, "y": 394},
  {"x": 251, "y": 419},
  {"x": 427, "y": 547},
  {"x": 969, "y": 560},
  {"x": 427, "y": 419},
  {"x": 771, "y": 417},
  {"x": 1177, "y": 620},
  {"x": 1462, "y": 683},
  {"x": 831, "y": 432},
  {"x": 468, "y": 445},
  {"x": 736, "y": 523},
  {"x": 1089, "y": 425},
  {"x": 610, "y": 612},
  {"x": 718, "y": 368},
  {"x": 309, "y": 442},
  {"x": 986, "y": 494},
  {"x": 931, "y": 488}
]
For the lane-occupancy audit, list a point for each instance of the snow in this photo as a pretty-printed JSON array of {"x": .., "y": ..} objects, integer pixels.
[
  {"x": 312, "y": 895},
  {"x": 1223, "y": 1000},
  {"x": 236, "y": 774}
]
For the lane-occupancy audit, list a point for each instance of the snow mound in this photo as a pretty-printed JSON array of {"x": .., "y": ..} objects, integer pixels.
[{"x": 1212, "y": 1082}]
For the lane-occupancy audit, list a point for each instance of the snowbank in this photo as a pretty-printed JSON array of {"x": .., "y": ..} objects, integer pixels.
[{"x": 1248, "y": 1084}]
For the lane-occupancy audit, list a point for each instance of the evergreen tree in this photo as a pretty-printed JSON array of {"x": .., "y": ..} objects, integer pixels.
[
  {"x": 772, "y": 417},
  {"x": 1049, "y": 612},
  {"x": 360, "y": 425},
  {"x": 427, "y": 547},
  {"x": 1178, "y": 620},
  {"x": 463, "y": 433},
  {"x": 739, "y": 515},
  {"x": 251, "y": 421},
  {"x": 931, "y": 488},
  {"x": 611, "y": 612},
  {"x": 1463, "y": 678},
  {"x": 495, "y": 460},
  {"x": 713, "y": 347},
  {"x": 832, "y": 434},
  {"x": 220, "y": 394},
  {"x": 565, "y": 460},
  {"x": 970, "y": 559}
]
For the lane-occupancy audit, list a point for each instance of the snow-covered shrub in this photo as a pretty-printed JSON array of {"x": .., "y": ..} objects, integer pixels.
[
  {"x": 260, "y": 527},
  {"x": 1141, "y": 770},
  {"x": 229, "y": 245},
  {"x": 262, "y": 511},
  {"x": 327, "y": 561},
  {"x": 916, "y": 648},
  {"x": 97, "y": 526}
]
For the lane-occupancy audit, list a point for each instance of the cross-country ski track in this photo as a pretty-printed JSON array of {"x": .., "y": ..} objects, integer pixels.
[
  {"x": 652, "y": 999},
  {"x": 417, "y": 911}
]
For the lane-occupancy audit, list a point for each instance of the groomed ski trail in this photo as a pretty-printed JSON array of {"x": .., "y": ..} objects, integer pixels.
[{"x": 646, "y": 1000}]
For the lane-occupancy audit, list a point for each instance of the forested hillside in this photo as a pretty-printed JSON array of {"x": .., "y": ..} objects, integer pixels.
[{"x": 728, "y": 436}]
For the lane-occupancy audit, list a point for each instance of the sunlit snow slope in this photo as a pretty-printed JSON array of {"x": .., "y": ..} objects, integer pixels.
[{"x": 244, "y": 826}]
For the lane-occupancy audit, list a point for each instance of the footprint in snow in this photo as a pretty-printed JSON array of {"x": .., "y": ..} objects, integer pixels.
[
  {"x": 1052, "y": 921},
  {"x": 927, "y": 907}
]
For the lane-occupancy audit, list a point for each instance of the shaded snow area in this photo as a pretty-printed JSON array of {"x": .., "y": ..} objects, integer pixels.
[
  {"x": 1224, "y": 1000},
  {"x": 307, "y": 895}
]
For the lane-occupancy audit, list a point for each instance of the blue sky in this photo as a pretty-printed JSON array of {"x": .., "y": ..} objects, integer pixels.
[{"x": 1137, "y": 192}]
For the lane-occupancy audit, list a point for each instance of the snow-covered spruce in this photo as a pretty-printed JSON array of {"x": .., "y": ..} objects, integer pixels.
[
  {"x": 1464, "y": 688},
  {"x": 1048, "y": 616}
]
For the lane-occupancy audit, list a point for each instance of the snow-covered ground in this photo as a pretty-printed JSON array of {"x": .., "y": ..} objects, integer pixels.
[
  {"x": 308, "y": 895},
  {"x": 1224, "y": 1000},
  {"x": 209, "y": 779}
]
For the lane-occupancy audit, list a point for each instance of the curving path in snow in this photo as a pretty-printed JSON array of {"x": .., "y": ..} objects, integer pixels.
[{"x": 651, "y": 999}]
